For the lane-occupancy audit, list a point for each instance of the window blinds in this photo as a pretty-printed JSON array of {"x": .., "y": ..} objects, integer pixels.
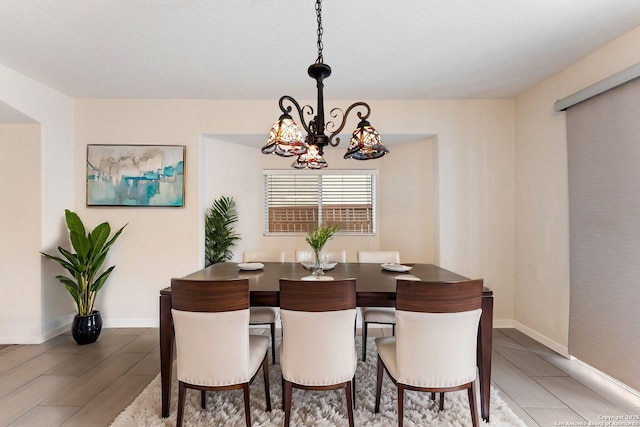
[
  {"x": 298, "y": 203},
  {"x": 604, "y": 202}
]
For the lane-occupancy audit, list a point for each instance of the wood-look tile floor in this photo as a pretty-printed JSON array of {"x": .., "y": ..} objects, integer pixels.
[
  {"x": 59, "y": 383},
  {"x": 546, "y": 389}
]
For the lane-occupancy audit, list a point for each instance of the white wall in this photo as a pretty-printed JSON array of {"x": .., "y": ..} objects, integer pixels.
[
  {"x": 542, "y": 221},
  {"x": 475, "y": 188}
]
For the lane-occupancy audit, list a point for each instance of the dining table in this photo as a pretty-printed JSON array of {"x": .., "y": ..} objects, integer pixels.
[{"x": 375, "y": 287}]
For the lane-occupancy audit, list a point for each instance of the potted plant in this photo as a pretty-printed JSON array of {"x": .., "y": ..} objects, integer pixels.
[
  {"x": 317, "y": 239},
  {"x": 220, "y": 236},
  {"x": 84, "y": 265}
]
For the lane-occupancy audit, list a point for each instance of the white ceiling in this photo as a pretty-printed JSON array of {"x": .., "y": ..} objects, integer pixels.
[{"x": 260, "y": 49}]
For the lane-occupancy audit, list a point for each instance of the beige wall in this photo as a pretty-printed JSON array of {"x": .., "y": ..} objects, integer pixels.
[
  {"x": 485, "y": 214},
  {"x": 542, "y": 227},
  {"x": 20, "y": 230},
  {"x": 470, "y": 205},
  {"x": 43, "y": 309},
  {"x": 405, "y": 191},
  {"x": 498, "y": 203},
  {"x": 408, "y": 204}
]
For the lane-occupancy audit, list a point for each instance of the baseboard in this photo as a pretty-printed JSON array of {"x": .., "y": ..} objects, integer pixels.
[
  {"x": 55, "y": 327},
  {"x": 20, "y": 332},
  {"x": 130, "y": 323},
  {"x": 557, "y": 347},
  {"x": 504, "y": 323}
]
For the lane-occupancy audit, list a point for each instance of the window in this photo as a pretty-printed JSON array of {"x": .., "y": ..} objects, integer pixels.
[{"x": 296, "y": 202}]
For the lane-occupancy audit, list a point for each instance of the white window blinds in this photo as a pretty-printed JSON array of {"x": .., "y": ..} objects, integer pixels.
[{"x": 298, "y": 203}]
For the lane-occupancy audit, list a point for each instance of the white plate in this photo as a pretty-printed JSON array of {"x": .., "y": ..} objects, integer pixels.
[
  {"x": 396, "y": 267},
  {"x": 328, "y": 266},
  {"x": 250, "y": 266},
  {"x": 407, "y": 277},
  {"x": 321, "y": 278}
]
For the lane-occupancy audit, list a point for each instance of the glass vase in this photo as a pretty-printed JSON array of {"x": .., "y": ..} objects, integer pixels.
[{"x": 319, "y": 262}]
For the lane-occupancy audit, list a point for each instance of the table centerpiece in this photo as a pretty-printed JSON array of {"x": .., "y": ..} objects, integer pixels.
[{"x": 317, "y": 239}]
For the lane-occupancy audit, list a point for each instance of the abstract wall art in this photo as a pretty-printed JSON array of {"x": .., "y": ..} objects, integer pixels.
[{"x": 135, "y": 175}]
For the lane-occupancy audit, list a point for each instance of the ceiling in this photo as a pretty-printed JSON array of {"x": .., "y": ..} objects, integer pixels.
[{"x": 260, "y": 49}]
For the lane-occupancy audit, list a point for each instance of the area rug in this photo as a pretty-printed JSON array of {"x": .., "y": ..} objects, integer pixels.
[{"x": 312, "y": 408}]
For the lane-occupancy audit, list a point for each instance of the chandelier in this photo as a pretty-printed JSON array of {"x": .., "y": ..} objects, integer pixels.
[{"x": 285, "y": 137}]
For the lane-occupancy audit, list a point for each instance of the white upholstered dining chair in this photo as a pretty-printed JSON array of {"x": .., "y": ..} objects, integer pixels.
[
  {"x": 214, "y": 348},
  {"x": 378, "y": 315},
  {"x": 304, "y": 255},
  {"x": 435, "y": 346},
  {"x": 265, "y": 315},
  {"x": 263, "y": 256},
  {"x": 318, "y": 338}
]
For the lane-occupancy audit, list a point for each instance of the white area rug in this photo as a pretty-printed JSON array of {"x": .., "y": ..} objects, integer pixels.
[{"x": 311, "y": 408}]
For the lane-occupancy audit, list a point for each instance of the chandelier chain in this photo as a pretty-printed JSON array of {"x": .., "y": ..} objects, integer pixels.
[{"x": 320, "y": 31}]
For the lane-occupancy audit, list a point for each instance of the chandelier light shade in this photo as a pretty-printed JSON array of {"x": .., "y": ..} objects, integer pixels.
[
  {"x": 285, "y": 138},
  {"x": 365, "y": 143},
  {"x": 312, "y": 159}
]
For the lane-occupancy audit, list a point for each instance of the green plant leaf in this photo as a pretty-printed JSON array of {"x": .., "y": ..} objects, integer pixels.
[
  {"x": 220, "y": 236},
  {"x": 98, "y": 260},
  {"x": 319, "y": 237},
  {"x": 72, "y": 258},
  {"x": 74, "y": 223},
  {"x": 113, "y": 239},
  {"x": 60, "y": 261},
  {"x": 80, "y": 243},
  {"x": 99, "y": 236},
  {"x": 73, "y": 289},
  {"x": 99, "y": 282},
  {"x": 69, "y": 282},
  {"x": 84, "y": 265}
]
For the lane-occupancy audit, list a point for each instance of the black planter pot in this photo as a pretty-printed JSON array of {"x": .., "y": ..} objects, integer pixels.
[{"x": 86, "y": 329}]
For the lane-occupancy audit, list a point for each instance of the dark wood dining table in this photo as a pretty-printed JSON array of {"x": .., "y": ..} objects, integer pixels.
[{"x": 375, "y": 287}]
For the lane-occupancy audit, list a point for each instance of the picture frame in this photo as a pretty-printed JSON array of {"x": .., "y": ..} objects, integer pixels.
[{"x": 135, "y": 175}]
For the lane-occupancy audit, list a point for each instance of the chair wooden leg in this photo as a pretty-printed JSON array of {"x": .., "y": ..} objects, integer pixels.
[
  {"x": 353, "y": 388},
  {"x": 400, "y": 405},
  {"x": 287, "y": 402},
  {"x": 365, "y": 326},
  {"x": 265, "y": 373},
  {"x": 282, "y": 388},
  {"x": 378, "y": 386},
  {"x": 273, "y": 343},
  {"x": 433, "y": 395},
  {"x": 348, "y": 392},
  {"x": 181, "y": 396},
  {"x": 441, "y": 401},
  {"x": 473, "y": 405},
  {"x": 203, "y": 399},
  {"x": 247, "y": 406}
]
